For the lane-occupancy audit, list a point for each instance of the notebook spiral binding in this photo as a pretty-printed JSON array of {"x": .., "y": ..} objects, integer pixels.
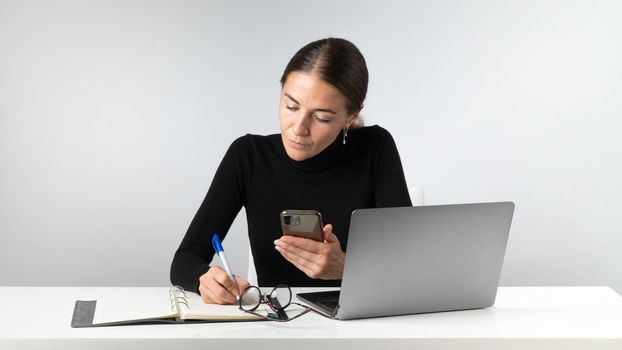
[{"x": 178, "y": 297}]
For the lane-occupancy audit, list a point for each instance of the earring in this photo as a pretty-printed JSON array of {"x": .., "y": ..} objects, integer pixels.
[{"x": 345, "y": 134}]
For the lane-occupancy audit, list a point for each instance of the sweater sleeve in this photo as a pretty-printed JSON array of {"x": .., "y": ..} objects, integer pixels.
[
  {"x": 223, "y": 201},
  {"x": 390, "y": 189}
]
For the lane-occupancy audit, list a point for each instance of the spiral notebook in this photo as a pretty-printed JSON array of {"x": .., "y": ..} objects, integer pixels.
[{"x": 176, "y": 306}]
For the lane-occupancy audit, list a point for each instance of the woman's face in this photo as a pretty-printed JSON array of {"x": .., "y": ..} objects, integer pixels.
[{"x": 312, "y": 113}]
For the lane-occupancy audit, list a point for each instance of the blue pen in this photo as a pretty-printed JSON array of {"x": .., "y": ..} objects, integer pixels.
[{"x": 221, "y": 254}]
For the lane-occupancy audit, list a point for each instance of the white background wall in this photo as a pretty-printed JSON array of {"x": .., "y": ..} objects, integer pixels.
[{"x": 114, "y": 116}]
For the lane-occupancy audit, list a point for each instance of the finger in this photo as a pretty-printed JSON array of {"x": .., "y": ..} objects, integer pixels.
[
  {"x": 293, "y": 258},
  {"x": 296, "y": 250},
  {"x": 207, "y": 296},
  {"x": 223, "y": 278},
  {"x": 329, "y": 236},
  {"x": 203, "y": 290},
  {"x": 300, "y": 258},
  {"x": 308, "y": 267},
  {"x": 307, "y": 271},
  {"x": 217, "y": 282},
  {"x": 242, "y": 284},
  {"x": 305, "y": 244},
  {"x": 221, "y": 295}
]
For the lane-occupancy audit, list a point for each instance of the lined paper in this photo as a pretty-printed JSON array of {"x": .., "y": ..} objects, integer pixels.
[{"x": 133, "y": 308}]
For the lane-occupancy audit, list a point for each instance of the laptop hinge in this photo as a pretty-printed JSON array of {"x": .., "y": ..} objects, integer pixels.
[{"x": 335, "y": 311}]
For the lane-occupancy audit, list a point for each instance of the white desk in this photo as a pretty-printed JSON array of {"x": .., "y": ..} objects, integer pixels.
[{"x": 522, "y": 318}]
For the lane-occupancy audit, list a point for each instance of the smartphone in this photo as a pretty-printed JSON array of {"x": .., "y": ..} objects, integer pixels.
[{"x": 303, "y": 223}]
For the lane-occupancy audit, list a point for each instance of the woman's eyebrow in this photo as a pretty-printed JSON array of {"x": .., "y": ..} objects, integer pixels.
[
  {"x": 291, "y": 98},
  {"x": 328, "y": 110}
]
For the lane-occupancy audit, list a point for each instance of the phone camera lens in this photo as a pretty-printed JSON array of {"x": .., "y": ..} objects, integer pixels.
[
  {"x": 295, "y": 220},
  {"x": 291, "y": 220}
]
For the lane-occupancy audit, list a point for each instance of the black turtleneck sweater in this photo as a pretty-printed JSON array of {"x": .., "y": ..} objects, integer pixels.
[{"x": 256, "y": 173}]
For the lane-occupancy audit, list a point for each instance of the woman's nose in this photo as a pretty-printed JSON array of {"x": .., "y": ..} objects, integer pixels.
[{"x": 301, "y": 125}]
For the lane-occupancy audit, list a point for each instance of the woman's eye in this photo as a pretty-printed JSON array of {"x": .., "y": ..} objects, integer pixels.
[
  {"x": 321, "y": 120},
  {"x": 291, "y": 108}
]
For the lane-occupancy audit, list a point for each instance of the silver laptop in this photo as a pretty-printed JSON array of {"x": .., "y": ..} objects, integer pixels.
[{"x": 412, "y": 260}]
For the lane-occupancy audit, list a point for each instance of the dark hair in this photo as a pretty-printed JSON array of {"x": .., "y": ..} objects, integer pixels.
[{"x": 339, "y": 63}]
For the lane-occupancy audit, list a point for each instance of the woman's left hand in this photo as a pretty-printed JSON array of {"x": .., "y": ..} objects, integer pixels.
[{"x": 322, "y": 260}]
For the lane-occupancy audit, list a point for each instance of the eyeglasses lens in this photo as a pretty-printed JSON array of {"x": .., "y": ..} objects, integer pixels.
[
  {"x": 250, "y": 299},
  {"x": 281, "y": 297}
]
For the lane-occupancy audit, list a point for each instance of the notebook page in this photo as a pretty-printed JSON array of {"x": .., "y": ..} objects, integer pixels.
[
  {"x": 197, "y": 309},
  {"x": 133, "y": 308}
]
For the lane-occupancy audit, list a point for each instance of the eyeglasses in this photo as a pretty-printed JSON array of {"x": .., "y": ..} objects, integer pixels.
[{"x": 278, "y": 300}]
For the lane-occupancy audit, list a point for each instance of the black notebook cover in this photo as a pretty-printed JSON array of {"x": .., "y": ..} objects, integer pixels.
[{"x": 84, "y": 311}]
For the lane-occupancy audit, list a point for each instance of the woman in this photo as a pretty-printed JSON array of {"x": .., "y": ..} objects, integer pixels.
[{"x": 322, "y": 159}]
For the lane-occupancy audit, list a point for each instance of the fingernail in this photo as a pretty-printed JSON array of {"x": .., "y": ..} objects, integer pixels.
[{"x": 276, "y": 241}]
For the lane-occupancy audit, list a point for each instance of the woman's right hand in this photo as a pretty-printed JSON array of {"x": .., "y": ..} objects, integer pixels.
[{"x": 216, "y": 287}]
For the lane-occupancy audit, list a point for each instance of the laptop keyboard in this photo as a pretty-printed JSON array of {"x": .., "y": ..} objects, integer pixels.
[
  {"x": 324, "y": 300},
  {"x": 330, "y": 303}
]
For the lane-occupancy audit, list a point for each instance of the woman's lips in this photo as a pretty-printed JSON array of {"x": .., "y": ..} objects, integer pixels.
[{"x": 298, "y": 145}]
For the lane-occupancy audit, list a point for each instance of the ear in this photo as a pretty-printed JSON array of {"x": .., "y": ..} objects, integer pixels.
[{"x": 351, "y": 119}]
